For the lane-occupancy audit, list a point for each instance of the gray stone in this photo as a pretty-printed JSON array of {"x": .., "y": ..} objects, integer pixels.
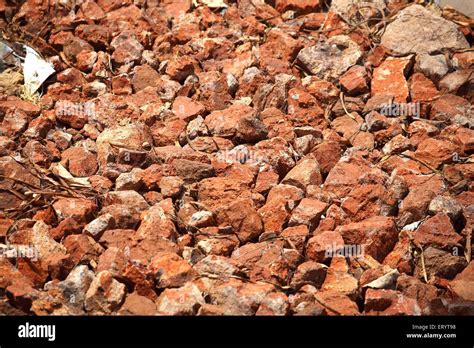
[
  {"x": 446, "y": 205},
  {"x": 433, "y": 66},
  {"x": 455, "y": 80},
  {"x": 75, "y": 286},
  {"x": 105, "y": 294},
  {"x": 418, "y": 30},
  {"x": 98, "y": 226},
  {"x": 131, "y": 139},
  {"x": 330, "y": 59},
  {"x": 132, "y": 180},
  {"x": 367, "y": 8},
  {"x": 185, "y": 300}
]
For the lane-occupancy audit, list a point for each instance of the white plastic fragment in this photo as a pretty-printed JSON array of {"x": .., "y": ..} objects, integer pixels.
[
  {"x": 35, "y": 70},
  {"x": 212, "y": 3},
  {"x": 413, "y": 226}
]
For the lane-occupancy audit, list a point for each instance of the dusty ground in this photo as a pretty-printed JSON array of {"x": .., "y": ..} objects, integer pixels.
[{"x": 286, "y": 157}]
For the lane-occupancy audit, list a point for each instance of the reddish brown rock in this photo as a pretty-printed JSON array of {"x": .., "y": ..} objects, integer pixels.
[
  {"x": 92, "y": 10},
  {"x": 121, "y": 85},
  {"x": 95, "y": 34},
  {"x": 355, "y": 80},
  {"x": 339, "y": 280},
  {"x": 14, "y": 122},
  {"x": 439, "y": 263},
  {"x": 397, "y": 144},
  {"x": 296, "y": 236},
  {"x": 427, "y": 296},
  {"x": 390, "y": 78},
  {"x": 79, "y": 161},
  {"x": 343, "y": 177},
  {"x": 322, "y": 90},
  {"x": 336, "y": 303},
  {"x": 438, "y": 231},
  {"x": 368, "y": 200},
  {"x": 265, "y": 181},
  {"x": 180, "y": 67},
  {"x": 377, "y": 235},
  {"x": 280, "y": 45},
  {"x": 449, "y": 106},
  {"x": 75, "y": 45},
  {"x": 85, "y": 62},
  {"x": 464, "y": 137},
  {"x": 80, "y": 209},
  {"x": 186, "y": 108},
  {"x": 415, "y": 204},
  {"x": 242, "y": 217},
  {"x": 308, "y": 212},
  {"x": 145, "y": 76},
  {"x": 436, "y": 152},
  {"x": 300, "y": 6},
  {"x": 304, "y": 109},
  {"x": 82, "y": 248},
  {"x": 213, "y": 192},
  {"x": 113, "y": 260},
  {"x": 11, "y": 275},
  {"x": 171, "y": 186},
  {"x": 309, "y": 272},
  {"x": 305, "y": 173},
  {"x": 139, "y": 277},
  {"x": 422, "y": 89},
  {"x": 268, "y": 261},
  {"x": 22, "y": 296},
  {"x": 238, "y": 122},
  {"x": 171, "y": 270},
  {"x": 38, "y": 153},
  {"x": 242, "y": 157},
  {"x": 275, "y": 214},
  {"x": 280, "y": 201},
  {"x": 127, "y": 145},
  {"x": 220, "y": 245},
  {"x": 157, "y": 223},
  {"x": 5, "y": 225},
  {"x": 327, "y": 154},
  {"x": 323, "y": 245},
  {"x": 192, "y": 171},
  {"x": 277, "y": 123},
  {"x": 306, "y": 304},
  {"x": 71, "y": 114},
  {"x": 127, "y": 49},
  {"x": 462, "y": 284},
  {"x": 39, "y": 127},
  {"x": 135, "y": 304},
  {"x": 400, "y": 257},
  {"x": 72, "y": 77},
  {"x": 389, "y": 302}
]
